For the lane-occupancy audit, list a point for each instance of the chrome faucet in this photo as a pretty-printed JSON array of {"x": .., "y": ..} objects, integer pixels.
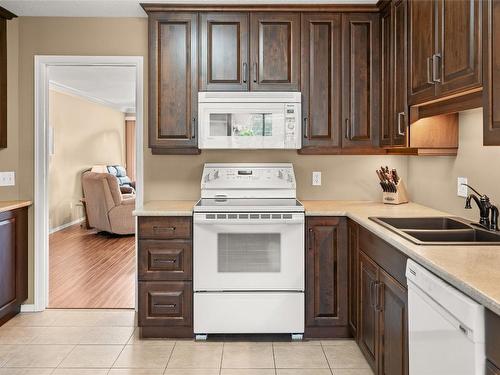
[{"x": 485, "y": 208}]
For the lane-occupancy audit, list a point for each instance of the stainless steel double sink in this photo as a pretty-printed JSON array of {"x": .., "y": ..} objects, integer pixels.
[{"x": 439, "y": 230}]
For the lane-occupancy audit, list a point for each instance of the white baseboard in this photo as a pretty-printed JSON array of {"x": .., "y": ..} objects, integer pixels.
[
  {"x": 28, "y": 308},
  {"x": 64, "y": 226}
]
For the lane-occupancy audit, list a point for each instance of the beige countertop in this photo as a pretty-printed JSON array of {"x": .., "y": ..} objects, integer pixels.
[
  {"x": 475, "y": 270},
  {"x": 12, "y": 205}
]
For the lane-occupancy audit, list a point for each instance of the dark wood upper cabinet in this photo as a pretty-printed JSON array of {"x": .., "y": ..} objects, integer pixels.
[
  {"x": 352, "y": 238},
  {"x": 444, "y": 47},
  {"x": 459, "y": 45},
  {"x": 422, "y": 44},
  {"x": 224, "y": 52},
  {"x": 321, "y": 80},
  {"x": 393, "y": 323},
  {"x": 491, "y": 71},
  {"x": 326, "y": 277},
  {"x": 361, "y": 84},
  {"x": 387, "y": 76},
  {"x": 4, "y": 16},
  {"x": 173, "y": 83},
  {"x": 275, "y": 51},
  {"x": 368, "y": 324}
]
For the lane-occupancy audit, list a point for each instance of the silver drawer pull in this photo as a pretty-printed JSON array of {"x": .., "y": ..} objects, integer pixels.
[
  {"x": 157, "y": 228},
  {"x": 167, "y": 306},
  {"x": 165, "y": 260}
]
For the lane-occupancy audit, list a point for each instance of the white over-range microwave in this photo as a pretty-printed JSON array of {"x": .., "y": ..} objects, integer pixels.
[{"x": 249, "y": 120}]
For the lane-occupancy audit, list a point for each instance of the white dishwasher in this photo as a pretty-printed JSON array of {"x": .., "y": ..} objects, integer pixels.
[{"x": 446, "y": 328}]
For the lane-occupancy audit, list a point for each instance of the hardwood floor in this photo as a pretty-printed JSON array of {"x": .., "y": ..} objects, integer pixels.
[{"x": 91, "y": 270}]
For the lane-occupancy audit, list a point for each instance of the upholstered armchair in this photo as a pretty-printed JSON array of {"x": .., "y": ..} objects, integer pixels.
[{"x": 107, "y": 209}]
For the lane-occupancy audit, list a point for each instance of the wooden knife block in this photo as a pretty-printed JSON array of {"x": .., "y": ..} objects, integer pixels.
[{"x": 400, "y": 197}]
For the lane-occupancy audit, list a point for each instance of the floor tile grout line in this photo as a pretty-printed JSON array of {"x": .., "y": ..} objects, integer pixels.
[
  {"x": 221, "y": 358},
  {"x": 170, "y": 357},
  {"x": 326, "y": 357},
  {"x": 274, "y": 359},
  {"x": 66, "y": 356}
]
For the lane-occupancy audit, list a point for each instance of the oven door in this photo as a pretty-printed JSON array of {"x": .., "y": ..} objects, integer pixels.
[
  {"x": 242, "y": 125},
  {"x": 248, "y": 252}
]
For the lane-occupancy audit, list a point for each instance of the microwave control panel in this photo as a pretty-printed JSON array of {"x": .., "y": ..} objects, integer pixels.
[{"x": 291, "y": 125}]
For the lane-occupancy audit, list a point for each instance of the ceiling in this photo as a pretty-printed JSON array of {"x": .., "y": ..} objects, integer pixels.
[
  {"x": 108, "y": 85},
  {"x": 128, "y": 8}
]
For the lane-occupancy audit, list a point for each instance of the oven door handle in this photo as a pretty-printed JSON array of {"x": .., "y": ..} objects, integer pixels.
[{"x": 204, "y": 221}]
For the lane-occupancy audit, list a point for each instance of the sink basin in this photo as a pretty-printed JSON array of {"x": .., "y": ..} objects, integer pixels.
[
  {"x": 439, "y": 230},
  {"x": 430, "y": 223}
]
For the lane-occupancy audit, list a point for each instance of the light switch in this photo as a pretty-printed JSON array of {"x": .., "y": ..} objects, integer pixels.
[
  {"x": 316, "y": 179},
  {"x": 462, "y": 190},
  {"x": 7, "y": 178}
]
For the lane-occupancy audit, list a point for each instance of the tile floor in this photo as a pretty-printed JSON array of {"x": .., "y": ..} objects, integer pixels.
[{"x": 106, "y": 342}]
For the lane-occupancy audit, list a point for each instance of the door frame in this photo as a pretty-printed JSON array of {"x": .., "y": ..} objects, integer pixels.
[{"x": 41, "y": 143}]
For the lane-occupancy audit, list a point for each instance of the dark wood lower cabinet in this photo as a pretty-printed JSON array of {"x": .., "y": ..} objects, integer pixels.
[
  {"x": 165, "y": 272},
  {"x": 492, "y": 331},
  {"x": 353, "y": 254},
  {"x": 326, "y": 277},
  {"x": 13, "y": 262}
]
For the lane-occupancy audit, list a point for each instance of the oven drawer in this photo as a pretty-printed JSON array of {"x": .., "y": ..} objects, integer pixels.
[
  {"x": 249, "y": 312},
  {"x": 164, "y": 228},
  {"x": 165, "y": 260},
  {"x": 165, "y": 303}
]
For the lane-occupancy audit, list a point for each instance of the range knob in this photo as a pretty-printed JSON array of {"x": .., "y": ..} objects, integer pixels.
[
  {"x": 216, "y": 174},
  {"x": 280, "y": 174}
]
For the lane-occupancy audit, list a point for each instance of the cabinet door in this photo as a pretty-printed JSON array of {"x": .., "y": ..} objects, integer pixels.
[
  {"x": 491, "y": 71},
  {"x": 352, "y": 237},
  {"x": 386, "y": 99},
  {"x": 173, "y": 82},
  {"x": 3, "y": 83},
  {"x": 321, "y": 79},
  {"x": 326, "y": 275},
  {"x": 368, "y": 316},
  {"x": 400, "y": 115},
  {"x": 422, "y": 46},
  {"x": 361, "y": 86},
  {"x": 393, "y": 325},
  {"x": 491, "y": 369},
  {"x": 224, "y": 52},
  {"x": 8, "y": 261},
  {"x": 275, "y": 51},
  {"x": 459, "y": 63}
]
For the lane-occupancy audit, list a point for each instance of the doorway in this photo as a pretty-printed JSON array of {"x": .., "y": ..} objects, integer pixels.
[{"x": 88, "y": 180}]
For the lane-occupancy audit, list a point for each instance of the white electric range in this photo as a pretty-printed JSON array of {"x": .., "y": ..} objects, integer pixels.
[{"x": 248, "y": 251}]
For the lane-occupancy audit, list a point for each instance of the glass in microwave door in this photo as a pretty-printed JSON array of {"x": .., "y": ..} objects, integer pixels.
[{"x": 241, "y": 124}]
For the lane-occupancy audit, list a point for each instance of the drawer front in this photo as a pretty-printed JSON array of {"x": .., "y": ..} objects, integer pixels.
[
  {"x": 165, "y": 303},
  {"x": 165, "y": 228},
  {"x": 165, "y": 260}
]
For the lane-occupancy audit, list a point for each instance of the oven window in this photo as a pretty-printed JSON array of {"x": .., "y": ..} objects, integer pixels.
[
  {"x": 249, "y": 252},
  {"x": 241, "y": 124}
]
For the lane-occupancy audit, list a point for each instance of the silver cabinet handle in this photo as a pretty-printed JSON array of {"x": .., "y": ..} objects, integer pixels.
[
  {"x": 400, "y": 131},
  {"x": 436, "y": 67},
  {"x": 372, "y": 292},
  {"x": 348, "y": 129},
  {"x": 429, "y": 69},
  {"x": 255, "y": 72},
  {"x": 168, "y": 306},
  {"x": 245, "y": 72},
  {"x": 157, "y": 228},
  {"x": 168, "y": 261},
  {"x": 306, "y": 128},
  {"x": 193, "y": 133}
]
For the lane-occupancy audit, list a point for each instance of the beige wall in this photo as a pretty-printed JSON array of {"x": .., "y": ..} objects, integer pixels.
[
  {"x": 433, "y": 180},
  {"x": 9, "y": 157},
  {"x": 85, "y": 134}
]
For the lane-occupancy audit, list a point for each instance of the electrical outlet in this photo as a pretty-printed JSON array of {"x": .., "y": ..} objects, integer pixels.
[
  {"x": 316, "y": 179},
  {"x": 462, "y": 190},
  {"x": 7, "y": 178}
]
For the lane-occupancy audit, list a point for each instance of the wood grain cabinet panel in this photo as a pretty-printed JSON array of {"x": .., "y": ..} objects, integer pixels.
[
  {"x": 393, "y": 323},
  {"x": 491, "y": 71},
  {"x": 173, "y": 82},
  {"x": 353, "y": 243},
  {"x": 224, "y": 52},
  {"x": 386, "y": 81},
  {"x": 459, "y": 45},
  {"x": 492, "y": 333},
  {"x": 4, "y": 16},
  {"x": 165, "y": 260},
  {"x": 368, "y": 324},
  {"x": 321, "y": 80},
  {"x": 13, "y": 262},
  {"x": 361, "y": 85},
  {"x": 326, "y": 278},
  {"x": 275, "y": 51}
]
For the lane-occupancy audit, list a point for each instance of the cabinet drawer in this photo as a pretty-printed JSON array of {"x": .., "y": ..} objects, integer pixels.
[
  {"x": 165, "y": 303},
  {"x": 165, "y": 260},
  {"x": 165, "y": 228}
]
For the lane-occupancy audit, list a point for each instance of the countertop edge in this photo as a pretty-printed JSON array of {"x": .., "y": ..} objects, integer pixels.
[{"x": 14, "y": 205}]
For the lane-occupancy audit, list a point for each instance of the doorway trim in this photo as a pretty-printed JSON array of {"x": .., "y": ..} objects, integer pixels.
[{"x": 41, "y": 142}]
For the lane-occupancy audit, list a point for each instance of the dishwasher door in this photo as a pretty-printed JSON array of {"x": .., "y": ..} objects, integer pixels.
[{"x": 446, "y": 328}]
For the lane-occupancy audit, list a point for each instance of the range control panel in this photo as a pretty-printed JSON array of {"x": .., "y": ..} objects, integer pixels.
[{"x": 256, "y": 179}]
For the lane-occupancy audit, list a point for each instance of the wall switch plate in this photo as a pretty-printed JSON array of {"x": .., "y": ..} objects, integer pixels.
[
  {"x": 316, "y": 179},
  {"x": 7, "y": 178},
  {"x": 462, "y": 191}
]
